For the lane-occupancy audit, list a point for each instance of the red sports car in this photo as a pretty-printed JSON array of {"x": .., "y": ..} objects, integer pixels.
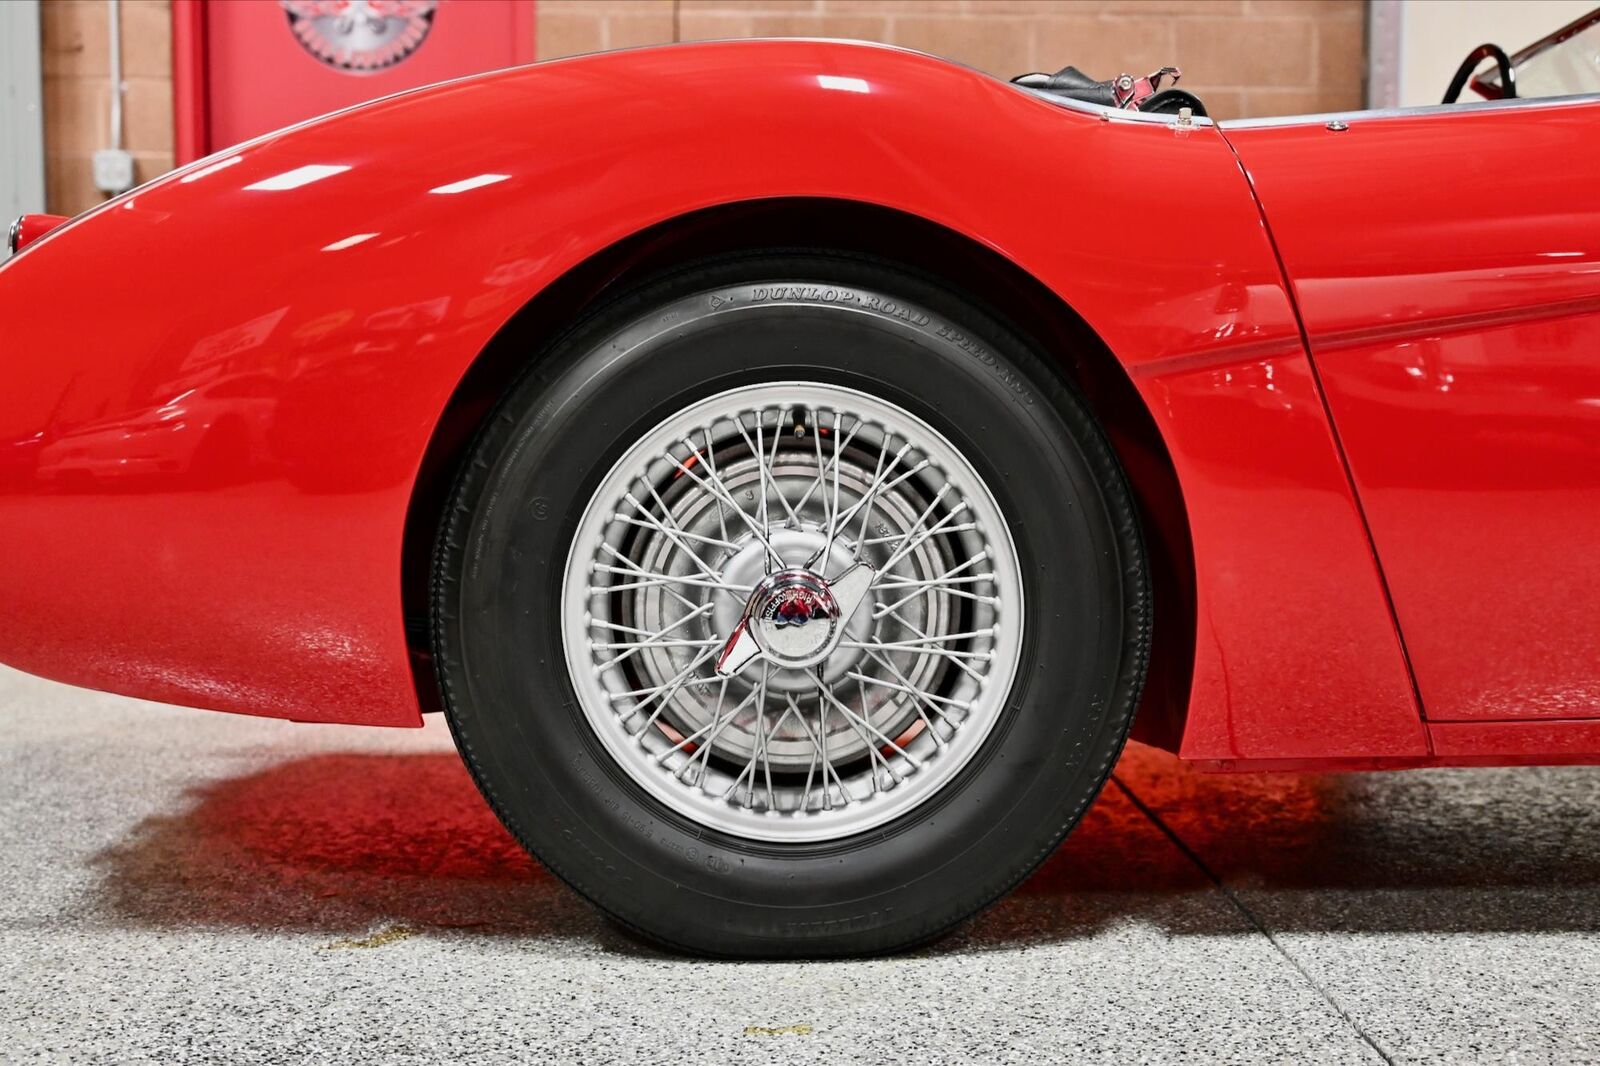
[{"x": 790, "y": 465}]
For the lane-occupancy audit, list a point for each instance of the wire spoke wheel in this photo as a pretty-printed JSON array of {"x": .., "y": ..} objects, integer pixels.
[{"x": 843, "y": 722}]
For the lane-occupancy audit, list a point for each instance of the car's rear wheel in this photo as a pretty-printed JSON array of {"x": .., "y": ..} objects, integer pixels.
[{"x": 790, "y": 605}]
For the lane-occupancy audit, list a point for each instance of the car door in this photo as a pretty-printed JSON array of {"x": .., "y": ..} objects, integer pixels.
[{"x": 1446, "y": 264}]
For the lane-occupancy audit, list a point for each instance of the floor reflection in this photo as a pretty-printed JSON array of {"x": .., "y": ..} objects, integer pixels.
[
  {"x": 338, "y": 842},
  {"x": 333, "y": 843}
]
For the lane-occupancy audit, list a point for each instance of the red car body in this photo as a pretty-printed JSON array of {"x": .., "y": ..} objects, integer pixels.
[{"x": 1352, "y": 369}]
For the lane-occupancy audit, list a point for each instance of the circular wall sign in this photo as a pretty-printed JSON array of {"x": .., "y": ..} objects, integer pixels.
[{"x": 360, "y": 36}]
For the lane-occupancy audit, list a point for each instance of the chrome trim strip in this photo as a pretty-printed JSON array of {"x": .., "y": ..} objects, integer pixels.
[
  {"x": 14, "y": 235},
  {"x": 1468, "y": 108}
]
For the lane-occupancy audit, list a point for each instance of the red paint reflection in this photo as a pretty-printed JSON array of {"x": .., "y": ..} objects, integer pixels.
[
  {"x": 342, "y": 841},
  {"x": 391, "y": 816},
  {"x": 1118, "y": 846},
  {"x": 337, "y": 842}
]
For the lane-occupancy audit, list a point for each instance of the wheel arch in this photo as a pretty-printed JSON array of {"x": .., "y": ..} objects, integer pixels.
[{"x": 912, "y": 242}]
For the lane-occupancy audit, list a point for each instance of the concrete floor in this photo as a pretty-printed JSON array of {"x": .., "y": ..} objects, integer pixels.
[{"x": 177, "y": 886}]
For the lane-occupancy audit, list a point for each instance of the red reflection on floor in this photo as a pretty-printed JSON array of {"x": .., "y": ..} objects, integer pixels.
[
  {"x": 344, "y": 841},
  {"x": 1116, "y": 843},
  {"x": 336, "y": 843},
  {"x": 390, "y": 815},
  {"x": 411, "y": 833}
]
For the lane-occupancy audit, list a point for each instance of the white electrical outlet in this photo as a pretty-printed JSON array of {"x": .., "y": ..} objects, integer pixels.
[{"x": 113, "y": 170}]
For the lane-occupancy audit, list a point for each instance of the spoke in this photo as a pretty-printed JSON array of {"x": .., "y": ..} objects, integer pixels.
[
  {"x": 634, "y": 568},
  {"x": 766, "y": 761},
  {"x": 939, "y": 743},
  {"x": 877, "y": 786},
  {"x": 833, "y": 512},
  {"x": 811, "y": 768},
  {"x": 822, "y": 470},
  {"x": 701, "y": 730},
  {"x": 966, "y": 527},
  {"x": 772, "y": 466},
  {"x": 911, "y": 531},
  {"x": 821, "y": 482},
  {"x": 937, "y": 583},
  {"x": 920, "y": 632},
  {"x": 711, "y": 462},
  {"x": 878, "y": 474},
  {"x": 654, "y": 637},
  {"x": 905, "y": 686},
  {"x": 820, "y": 748},
  {"x": 670, "y": 688},
  {"x": 666, "y": 525},
  {"x": 669, "y": 579},
  {"x": 671, "y": 532},
  {"x": 762, "y": 473},
  {"x": 764, "y": 469},
  {"x": 758, "y": 757},
  {"x": 937, "y": 527},
  {"x": 907, "y": 583},
  {"x": 858, "y": 723},
  {"x": 721, "y": 492},
  {"x": 661, "y": 582},
  {"x": 648, "y": 690},
  {"x": 981, "y": 656},
  {"x": 719, "y": 723},
  {"x": 617, "y": 627},
  {"x": 925, "y": 640},
  {"x": 629, "y": 568},
  {"x": 762, "y": 735},
  {"x": 822, "y": 732},
  {"x": 665, "y": 702},
  {"x": 926, "y": 699},
  {"x": 618, "y": 645},
  {"x": 958, "y": 594},
  {"x": 716, "y": 486},
  {"x": 758, "y": 751},
  {"x": 727, "y": 545},
  {"x": 749, "y": 767},
  {"x": 879, "y": 487}
]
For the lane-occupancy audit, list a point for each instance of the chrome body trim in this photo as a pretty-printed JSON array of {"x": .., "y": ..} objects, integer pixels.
[{"x": 1466, "y": 108}]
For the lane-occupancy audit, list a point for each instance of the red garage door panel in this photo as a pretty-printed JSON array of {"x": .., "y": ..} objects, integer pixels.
[{"x": 270, "y": 63}]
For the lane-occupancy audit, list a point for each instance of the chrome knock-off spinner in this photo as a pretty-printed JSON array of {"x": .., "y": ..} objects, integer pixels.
[{"x": 795, "y": 618}]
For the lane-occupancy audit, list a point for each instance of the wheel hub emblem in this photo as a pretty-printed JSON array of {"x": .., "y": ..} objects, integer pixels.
[{"x": 795, "y": 617}]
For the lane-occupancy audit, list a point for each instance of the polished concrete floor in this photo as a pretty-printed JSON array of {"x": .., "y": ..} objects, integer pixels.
[{"x": 180, "y": 887}]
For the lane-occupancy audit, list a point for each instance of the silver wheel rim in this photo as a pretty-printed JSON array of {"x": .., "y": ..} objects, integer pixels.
[{"x": 904, "y": 680}]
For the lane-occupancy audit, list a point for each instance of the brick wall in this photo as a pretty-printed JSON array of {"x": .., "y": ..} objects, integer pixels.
[
  {"x": 77, "y": 94},
  {"x": 1244, "y": 57}
]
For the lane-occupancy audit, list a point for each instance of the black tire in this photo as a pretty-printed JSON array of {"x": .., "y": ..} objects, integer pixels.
[{"x": 507, "y": 531}]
